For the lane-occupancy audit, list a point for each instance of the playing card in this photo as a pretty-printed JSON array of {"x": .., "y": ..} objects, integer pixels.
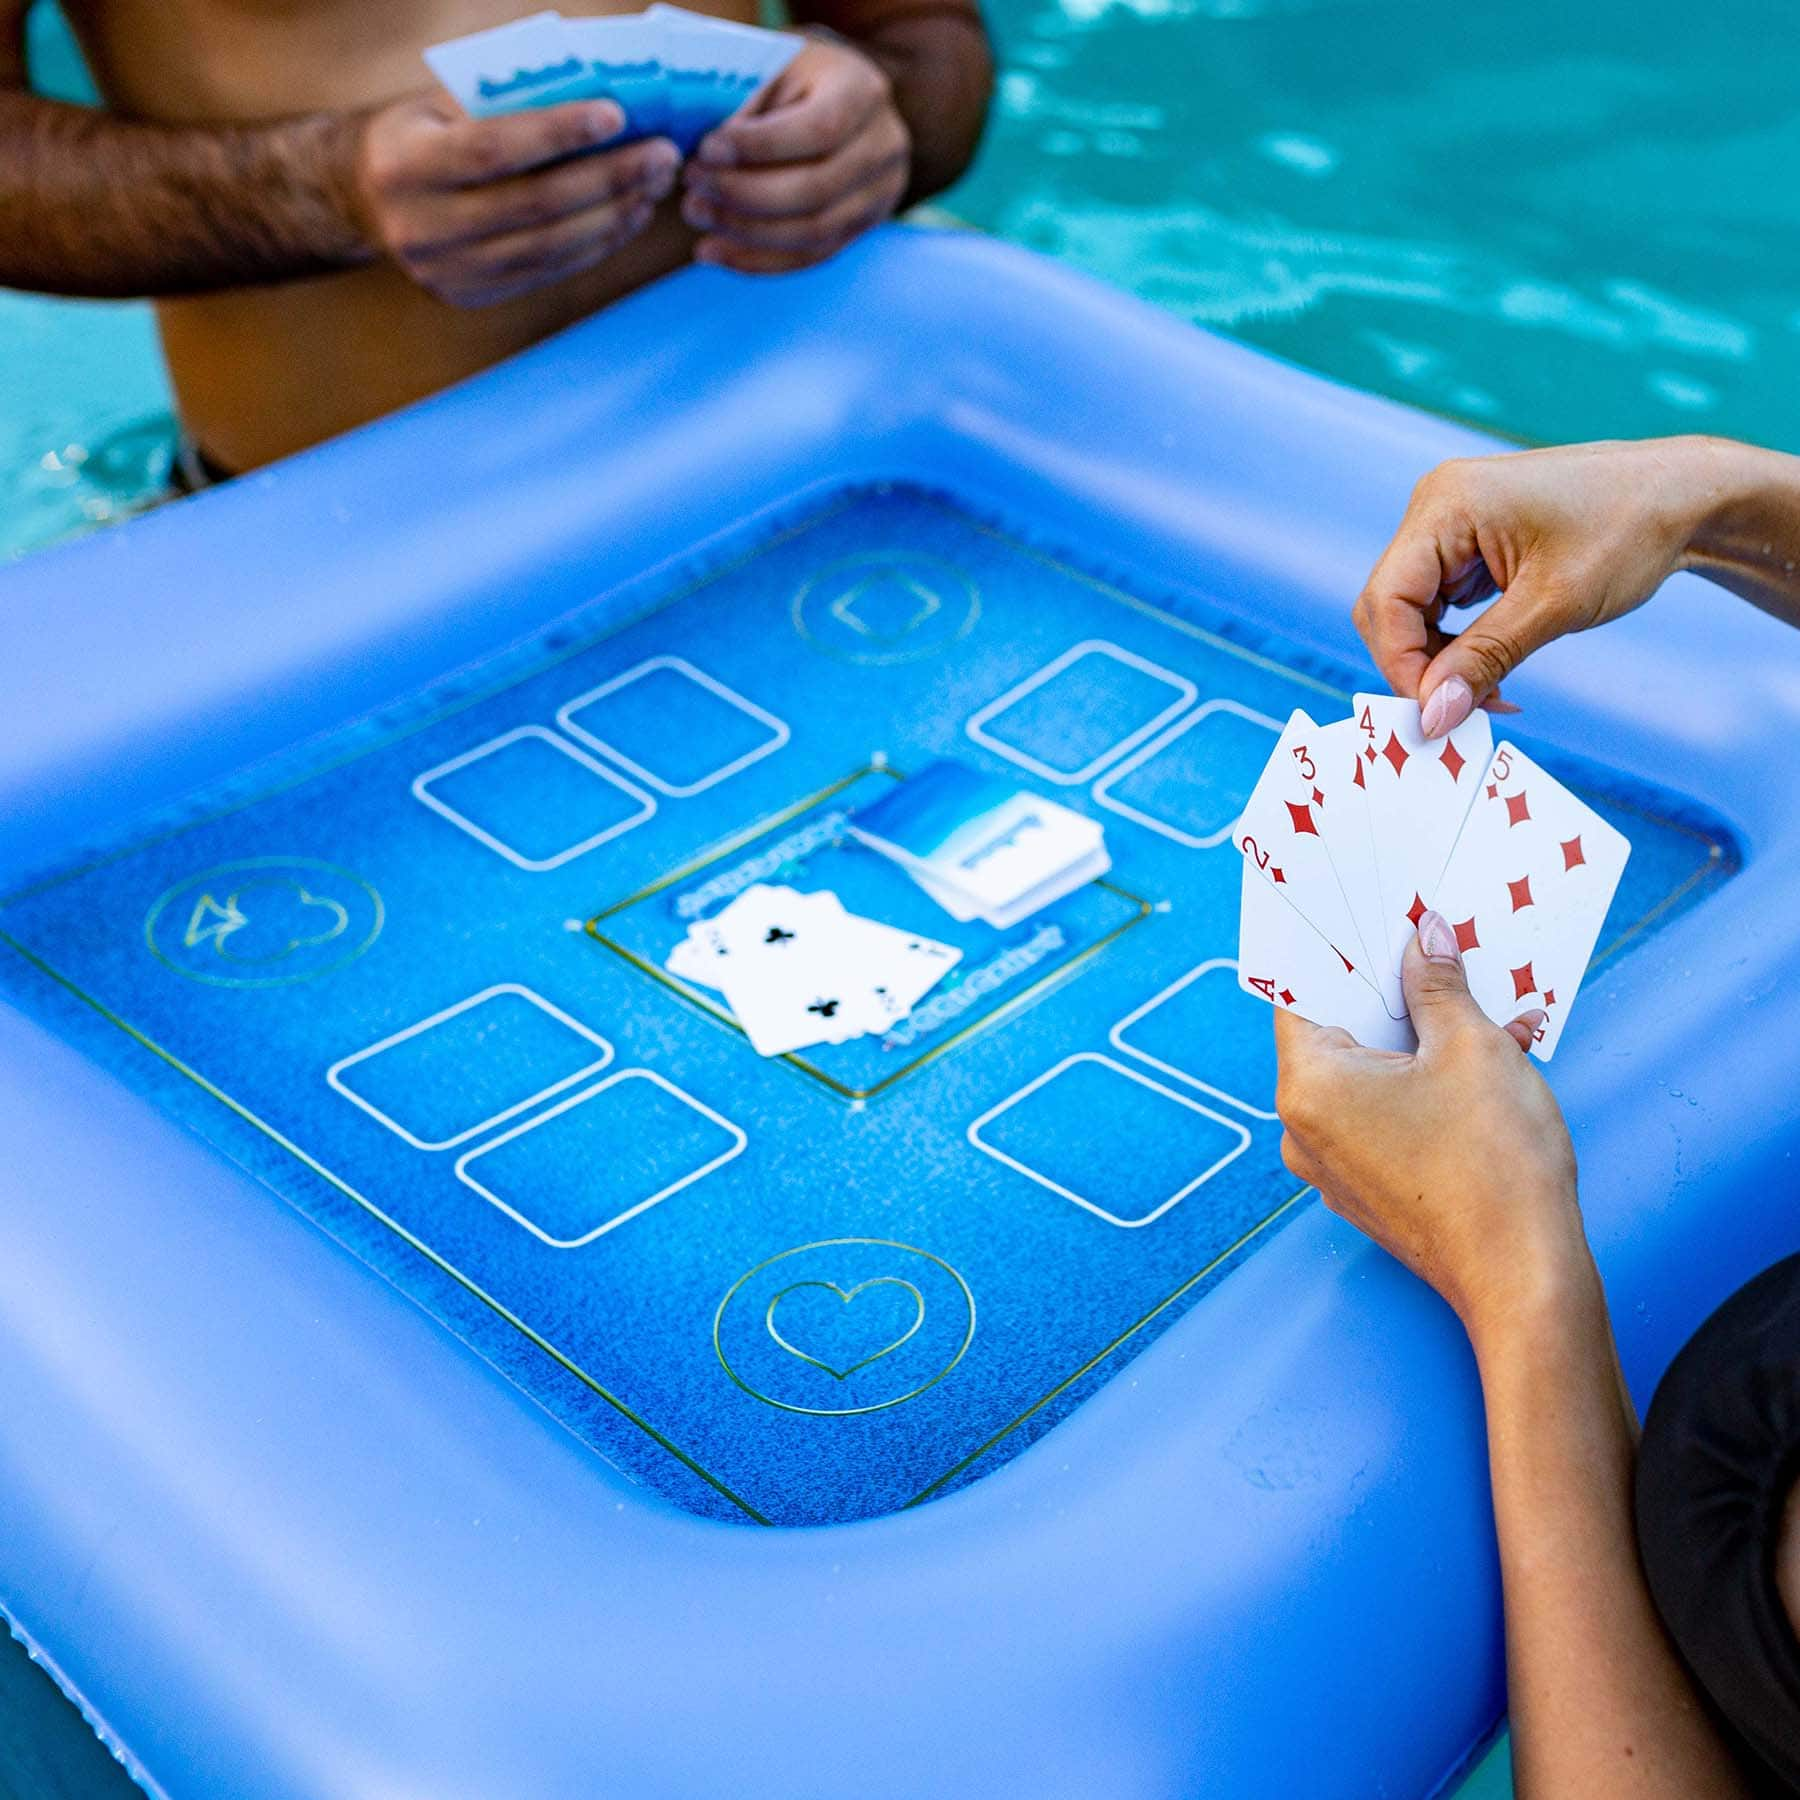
[
  {"x": 774, "y": 957},
  {"x": 900, "y": 967},
  {"x": 624, "y": 54},
  {"x": 980, "y": 846},
  {"x": 798, "y": 969},
  {"x": 1283, "y": 960},
  {"x": 1345, "y": 827},
  {"x": 1418, "y": 793},
  {"x": 1526, "y": 889},
  {"x": 712, "y": 67},
  {"x": 529, "y": 62},
  {"x": 1282, "y": 836}
]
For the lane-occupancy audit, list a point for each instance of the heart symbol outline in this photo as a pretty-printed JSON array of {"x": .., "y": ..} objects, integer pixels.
[{"x": 846, "y": 1295}]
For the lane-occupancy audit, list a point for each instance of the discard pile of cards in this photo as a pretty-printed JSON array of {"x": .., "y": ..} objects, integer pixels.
[
  {"x": 673, "y": 73},
  {"x": 982, "y": 848},
  {"x": 798, "y": 969},
  {"x": 1355, "y": 828}
]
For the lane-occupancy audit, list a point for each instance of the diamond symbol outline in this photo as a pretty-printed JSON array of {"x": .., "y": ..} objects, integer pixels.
[{"x": 843, "y": 608}]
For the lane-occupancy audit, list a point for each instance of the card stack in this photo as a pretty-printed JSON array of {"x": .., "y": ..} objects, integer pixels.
[
  {"x": 1355, "y": 828},
  {"x": 673, "y": 73},
  {"x": 982, "y": 848},
  {"x": 798, "y": 969}
]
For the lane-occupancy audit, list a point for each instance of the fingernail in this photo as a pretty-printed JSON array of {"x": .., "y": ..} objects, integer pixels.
[
  {"x": 1451, "y": 702},
  {"x": 1436, "y": 938},
  {"x": 1534, "y": 1019},
  {"x": 706, "y": 252},
  {"x": 697, "y": 213},
  {"x": 1494, "y": 704},
  {"x": 605, "y": 120},
  {"x": 718, "y": 151}
]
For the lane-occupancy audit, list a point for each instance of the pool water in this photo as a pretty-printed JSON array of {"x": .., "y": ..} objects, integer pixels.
[{"x": 1557, "y": 227}]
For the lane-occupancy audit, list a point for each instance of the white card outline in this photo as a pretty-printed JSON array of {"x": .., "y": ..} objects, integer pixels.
[
  {"x": 1150, "y": 751},
  {"x": 740, "y": 1138},
  {"x": 334, "y": 1074},
  {"x": 1116, "y": 1036},
  {"x": 681, "y": 666},
  {"x": 975, "y": 726},
  {"x": 1156, "y": 1087},
  {"x": 533, "y": 865}
]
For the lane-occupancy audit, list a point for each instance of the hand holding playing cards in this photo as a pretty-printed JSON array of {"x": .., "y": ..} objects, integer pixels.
[
  {"x": 482, "y": 210},
  {"x": 818, "y": 157},
  {"x": 1455, "y": 1159}
]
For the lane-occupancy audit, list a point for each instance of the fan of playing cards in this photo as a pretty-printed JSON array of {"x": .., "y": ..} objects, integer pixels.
[
  {"x": 1355, "y": 828},
  {"x": 673, "y": 73}
]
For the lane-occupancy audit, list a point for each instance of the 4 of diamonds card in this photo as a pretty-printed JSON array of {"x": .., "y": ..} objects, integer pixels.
[{"x": 1418, "y": 791}]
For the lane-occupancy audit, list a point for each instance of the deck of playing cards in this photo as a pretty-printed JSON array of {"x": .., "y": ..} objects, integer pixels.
[
  {"x": 982, "y": 848},
  {"x": 673, "y": 73},
  {"x": 1355, "y": 828},
  {"x": 798, "y": 969}
]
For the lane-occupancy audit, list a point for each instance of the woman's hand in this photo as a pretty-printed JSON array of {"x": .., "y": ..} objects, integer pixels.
[
  {"x": 1455, "y": 1159},
  {"x": 1569, "y": 538}
]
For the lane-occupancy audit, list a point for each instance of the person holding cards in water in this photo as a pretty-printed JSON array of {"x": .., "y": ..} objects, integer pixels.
[
  {"x": 1652, "y": 1598},
  {"x": 328, "y": 235}
]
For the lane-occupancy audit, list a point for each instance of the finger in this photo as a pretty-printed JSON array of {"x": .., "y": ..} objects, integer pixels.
[
  {"x": 1434, "y": 982},
  {"x": 1531, "y": 612},
  {"x": 750, "y": 259},
  {"x": 545, "y": 196},
  {"x": 836, "y": 225},
  {"x": 802, "y": 130},
  {"x": 1525, "y": 1028},
  {"x": 1396, "y": 611},
  {"x": 473, "y": 151},
  {"x": 522, "y": 261},
  {"x": 798, "y": 190}
]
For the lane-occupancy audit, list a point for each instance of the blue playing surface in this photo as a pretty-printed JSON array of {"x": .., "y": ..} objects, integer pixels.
[{"x": 413, "y": 977}]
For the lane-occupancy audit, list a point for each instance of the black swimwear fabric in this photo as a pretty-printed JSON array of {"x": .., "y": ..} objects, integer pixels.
[{"x": 1721, "y": 1450}]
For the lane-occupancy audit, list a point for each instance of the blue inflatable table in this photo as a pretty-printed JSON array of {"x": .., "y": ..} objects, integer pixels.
[{"x": 421, "y": 1304}]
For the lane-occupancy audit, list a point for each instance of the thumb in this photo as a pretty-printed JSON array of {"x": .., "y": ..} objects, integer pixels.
[
  {"x": 1432, "y": 977},
  {"x": 1472, "y": 665}
]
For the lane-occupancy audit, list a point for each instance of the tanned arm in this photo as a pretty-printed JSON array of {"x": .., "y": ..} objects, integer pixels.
[
  {"x": 1457, "y": 1160},
  {"x": 475, "y": 211}
]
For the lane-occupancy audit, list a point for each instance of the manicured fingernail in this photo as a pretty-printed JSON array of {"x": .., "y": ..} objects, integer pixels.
[
  {"x": 718, "y": 151},
  {"x": 1451, "y": 702},
  {"x": 1494, "y": 704},
  {"x": 1436, "y": 938}
]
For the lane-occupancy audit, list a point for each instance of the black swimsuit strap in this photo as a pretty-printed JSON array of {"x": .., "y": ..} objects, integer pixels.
[{"x": 1721, "y": 1450}]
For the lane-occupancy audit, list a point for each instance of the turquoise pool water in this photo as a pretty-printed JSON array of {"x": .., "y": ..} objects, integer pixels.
[{"x": 1558, "y": 221}]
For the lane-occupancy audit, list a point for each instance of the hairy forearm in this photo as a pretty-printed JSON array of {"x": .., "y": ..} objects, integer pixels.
[
  {"x": 106, "y": 208},
  {"x": 1600, "y": 1704},
  {"x": 943, "y": 76},
  {"x": 1744, "y": 531}
]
